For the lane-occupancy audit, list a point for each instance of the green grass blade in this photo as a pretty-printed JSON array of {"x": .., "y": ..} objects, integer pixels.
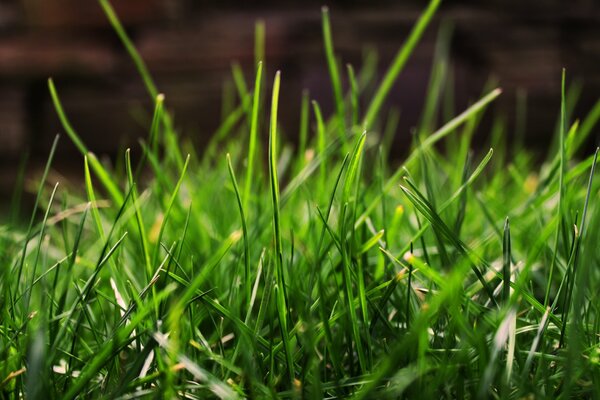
[
  {"x": 398, "y": 64},
  {"x": 168, "y": 210},
  {"x": 561, "y": 189},
  {"x": 130, "y": 47},
  {"x": 506, "y": 263},
  {"x": 105, "y": 178},
  {"x": 426, "y": 209},
  {"x": 280, "y": 289},
  {"x": 259, "y": 42},
  {"x": 247, "y": 278},
  {"x": 144, "y": 73},
  {"x": 138, "y": 215},
  {"x": 303, "y": 129},
  {"x": 334, "y": 73},
  {"x": 427, "y": 143},
  {"x": 36, "y": 203},
  {"x": 39, "y": 248},
  {"x": 353, "y": 95},
  {"x": 253, "y": 135},
  {"x": 321, "y": 142}
]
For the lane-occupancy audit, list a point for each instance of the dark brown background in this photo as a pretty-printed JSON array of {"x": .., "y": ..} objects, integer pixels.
[{"x": 189, "y": 46}]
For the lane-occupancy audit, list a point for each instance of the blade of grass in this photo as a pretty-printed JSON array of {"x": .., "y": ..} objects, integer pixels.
[
  {"x": 425, "y": 208},
  {"x": 334, "y": 73},
  {"x": 247, "y": 280},
  {"x": 561, "y": 188},
  {"x": 36, "y": 203},
  {"x": 35, "y": 263},
  {"x": 398, "y": 64},
  {"x": 321, "y": 142},
  {"x": 303, "y": 129},
  {"x": 253, "y": 135},
  {"x": 353, "y": 95},
  {"x": 448, "y": 128},
  {"x": 506, "y": 270},
  {"x": 138, "y": 215},
  {"x": 259, "y": 43},
  {"x": 573, "y": 265},
  {"x": 280, "y": 289},
  {"x": 144, "y": 73},
  {"x": 168, "y": 210},
  {"x": 104, "y": 176}
]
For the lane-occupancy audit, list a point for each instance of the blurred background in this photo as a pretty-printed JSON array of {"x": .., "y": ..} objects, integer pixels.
[{"x": 189, "y": 47}]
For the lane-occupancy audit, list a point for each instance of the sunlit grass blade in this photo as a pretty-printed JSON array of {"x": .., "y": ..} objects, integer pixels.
[
  {"x": 38, "y": 250},
  {"x": 355, "y": 116},
  {"x": 168, "y": 211},
  {"x": 247, "y": 280},
  {"x": 38, "y": 198},
  {"x": 144, "y": 73},
  {"x": 334, "y": 73},
  {"x": 398, "y": 64},
  {"x": 138, "y": 216},
  {"x": 572, "y": 264},
  {"x": 250, "y": 175},
  {"x": 321, "y": 142},
  {"x": 425, "y": 208},
  {"x": 428, "y": 142},
  {"x": 303, "y": 129},
  {"x": 280, "y": 288},
  {"x": 561, "y": 189},
  {"x": 506, "y": 262},
  {"x": 259, "y": 42},
  {"x": 104, "y": 176}
]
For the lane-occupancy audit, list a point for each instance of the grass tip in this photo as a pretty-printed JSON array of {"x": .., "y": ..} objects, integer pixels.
[{"x": 325, "y": 9}]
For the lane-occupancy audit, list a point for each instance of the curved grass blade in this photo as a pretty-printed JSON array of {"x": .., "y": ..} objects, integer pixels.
[
  {"x": 108, "y": 183},
  {"x": 142, "y": 69},
  {"x": 168, "y": 210},
  {"x": 334, "y": 73},
  {"x": 398, "y": 64},
  {"x": 561, "y": 188},
  {"x": 425, "y": 208},
  {"x": 247, "y": 281},
  {"x": 280, "y": 288},
  {"x": 34, "y": 213},
  {"x": 506, "y": 252},
  {"x": 353, "y": 95},
  {"x": 138, "y": 215},
  {"x": 321, "y": 142},
  {"x": 253, "y": 135},
  {"x": 449, "y": 127}
]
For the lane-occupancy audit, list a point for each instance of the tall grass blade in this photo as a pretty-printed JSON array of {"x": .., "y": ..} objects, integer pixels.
[{"x": 398, "y": 64}]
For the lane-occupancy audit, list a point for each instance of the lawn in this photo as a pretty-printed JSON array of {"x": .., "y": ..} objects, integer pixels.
[{"x": 312, "y": 264}]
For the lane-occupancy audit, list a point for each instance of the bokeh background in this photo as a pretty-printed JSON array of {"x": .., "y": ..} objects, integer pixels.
[{"x": 189, "y": 46}]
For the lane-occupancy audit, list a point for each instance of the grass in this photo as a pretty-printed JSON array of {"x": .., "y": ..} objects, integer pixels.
[{"x": 332, "y": 273}]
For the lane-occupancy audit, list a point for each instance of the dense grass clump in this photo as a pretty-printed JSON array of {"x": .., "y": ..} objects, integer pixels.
[{"x": 263, "y": 270}]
